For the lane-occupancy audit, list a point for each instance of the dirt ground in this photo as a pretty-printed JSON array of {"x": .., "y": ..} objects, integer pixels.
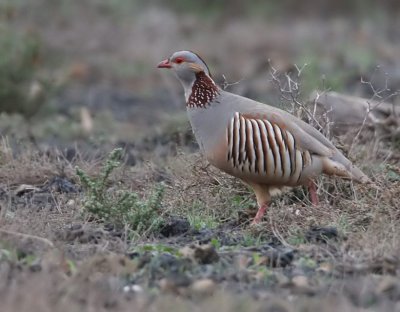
[{"x": 342, "y": 255}]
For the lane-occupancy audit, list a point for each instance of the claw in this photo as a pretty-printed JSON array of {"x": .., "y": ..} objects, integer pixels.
[
  {"x": 260, "y": 214},
  {"x": 312, "y": 189}
]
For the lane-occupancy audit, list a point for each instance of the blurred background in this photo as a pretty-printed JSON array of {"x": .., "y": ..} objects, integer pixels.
[{"x": 81, "y": 76}]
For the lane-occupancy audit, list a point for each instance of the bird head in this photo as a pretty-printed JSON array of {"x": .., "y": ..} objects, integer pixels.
[{"x": 186, "y": 65}]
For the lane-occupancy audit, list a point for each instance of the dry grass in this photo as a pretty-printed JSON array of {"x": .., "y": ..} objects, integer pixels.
[
  {"x": 89, "y": 271},
  {"x": 73, "y": 263}
]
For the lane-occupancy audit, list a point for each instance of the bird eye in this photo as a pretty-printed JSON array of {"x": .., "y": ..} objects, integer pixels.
[{"x": 179, "y": 60}]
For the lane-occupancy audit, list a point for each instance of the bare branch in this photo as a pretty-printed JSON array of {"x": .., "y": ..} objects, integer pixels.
[
  {"x": 227, "y": 84},
  {"x": 290, "y": 92}
]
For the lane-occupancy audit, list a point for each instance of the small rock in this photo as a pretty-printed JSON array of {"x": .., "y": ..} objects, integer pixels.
[
  {"x": 300, "y": 281},
  {"x": 166, "y": 285},
  {"x": 36, "y": 266},
  {"x": 301, "y": 285},
  {"x": 325, "y": 267},
  {"x": 206, "y": 254},
  {"x": 60, "y": 185},
  {"x": 278, "y": 258},
  {"x": 202, "y": 254},
  {"x": 203, "y": 287},
  {"x": 175, "y": 226},
  {"x": 70, "y": 153},
  {"x": 174, "y": 284},
  {"x": 91, "y": 236},
  {"x": 186, "y": 251},
  {"x": 133, "y": 288},
  {"x": 321, "y": 234}
]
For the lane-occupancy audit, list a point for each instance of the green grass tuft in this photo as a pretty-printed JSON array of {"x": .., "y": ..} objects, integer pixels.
[{"x": 121, "y": 208}]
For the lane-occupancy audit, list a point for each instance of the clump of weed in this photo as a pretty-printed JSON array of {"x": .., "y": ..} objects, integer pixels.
[{"x": 121, "y": 208}]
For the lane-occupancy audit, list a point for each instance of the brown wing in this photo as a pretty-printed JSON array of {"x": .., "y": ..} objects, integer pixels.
[{"x": 306, "y": 137}]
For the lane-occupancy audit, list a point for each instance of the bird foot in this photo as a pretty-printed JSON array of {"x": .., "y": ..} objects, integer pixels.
[
  {"x": 312, "y": 189},
  {"x": 260, "y": 214}
]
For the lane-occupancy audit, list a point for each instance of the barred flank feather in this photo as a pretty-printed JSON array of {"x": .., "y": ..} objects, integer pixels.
[{"x": 258, "y": 146}]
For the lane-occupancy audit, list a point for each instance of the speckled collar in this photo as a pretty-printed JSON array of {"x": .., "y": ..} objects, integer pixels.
[{"x": 204, "y": 90}]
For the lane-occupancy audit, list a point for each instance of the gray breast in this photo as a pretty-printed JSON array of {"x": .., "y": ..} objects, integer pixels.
[{"x": 209, "y": 124}]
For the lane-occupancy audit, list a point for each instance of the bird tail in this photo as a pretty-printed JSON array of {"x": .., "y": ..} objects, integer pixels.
[
  {"x": 346, "y": 171},
  {"x": 358, "y": 175}
]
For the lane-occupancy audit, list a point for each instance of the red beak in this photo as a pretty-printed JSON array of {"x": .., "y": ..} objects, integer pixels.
[{"x": 164, "y": 64}]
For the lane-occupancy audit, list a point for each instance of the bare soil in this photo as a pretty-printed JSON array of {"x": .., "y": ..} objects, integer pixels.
[{"x": 344, "y": 252}]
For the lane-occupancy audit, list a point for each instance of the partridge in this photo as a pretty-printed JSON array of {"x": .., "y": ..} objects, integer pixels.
[{"x": 265, "y": 147}]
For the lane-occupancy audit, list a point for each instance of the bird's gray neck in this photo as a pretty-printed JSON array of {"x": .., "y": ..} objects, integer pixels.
[
  {"x": 202, "y": 92},
  {"x": 187, "y": 87}
]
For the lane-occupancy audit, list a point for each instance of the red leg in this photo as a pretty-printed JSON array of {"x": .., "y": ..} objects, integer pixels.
[
  {"x": 312, "y": 189},
  {"x": 260, "y": 214}
]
